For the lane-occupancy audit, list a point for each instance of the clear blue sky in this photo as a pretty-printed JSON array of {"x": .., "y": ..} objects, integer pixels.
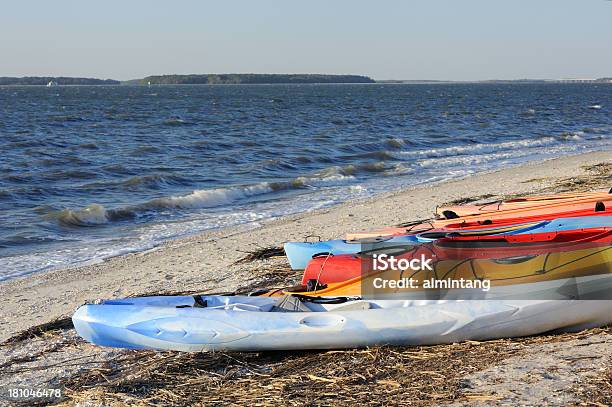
[{"x": 435, "y": 39}]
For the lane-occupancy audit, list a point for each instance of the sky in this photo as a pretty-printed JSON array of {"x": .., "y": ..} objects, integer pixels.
[{"x": 425, "y": 39}]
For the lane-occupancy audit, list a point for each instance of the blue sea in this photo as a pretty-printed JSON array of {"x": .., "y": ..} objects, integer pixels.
[{"x": 91, "y": 172}]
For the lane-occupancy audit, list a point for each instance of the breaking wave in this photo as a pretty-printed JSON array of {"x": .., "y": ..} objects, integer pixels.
[
  {"x": 209, "y": 198},
  {"x": 576, "y": 135},
  {"x": 91, "y": 215},
  {"x": 96, "y": 214},
  {"x": 495, "y": 148}
]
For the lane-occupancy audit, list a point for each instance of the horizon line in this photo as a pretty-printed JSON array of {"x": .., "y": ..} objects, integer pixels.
[{"x": 515, "y": 79}]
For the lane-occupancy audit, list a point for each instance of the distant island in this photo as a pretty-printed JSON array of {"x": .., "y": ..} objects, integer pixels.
[
  {"x": 249, "y": 79},
  {"x": 57, "y": 80},
  {"x": 196, "y": 79}
]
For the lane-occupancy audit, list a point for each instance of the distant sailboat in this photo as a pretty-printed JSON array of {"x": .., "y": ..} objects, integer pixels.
[{"x": 52, "y": 83}]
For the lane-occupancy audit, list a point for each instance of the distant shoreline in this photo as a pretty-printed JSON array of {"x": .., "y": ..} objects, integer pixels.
[
  {"x": 267, "y": 79},
  {"x": 196, "y": 79},
  {"x": 52, "y": 81},
  {"x": 250, "y": 79}
]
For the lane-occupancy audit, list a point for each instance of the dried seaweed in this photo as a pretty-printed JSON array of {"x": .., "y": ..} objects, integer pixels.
[
  {"x": 597, "y": 391},
  {"x": 598, "y": 176},
  {"x": 40, "y": 330},
  {"x": 463, "y": 201},
  {"x": 423, "y": 375},
  {"x": 261, "y": 254},
  {"x": 275, "y": 277}
]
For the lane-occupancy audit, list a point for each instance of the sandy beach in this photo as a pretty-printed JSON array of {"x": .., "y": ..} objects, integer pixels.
[{"x": 208, "y": 263}]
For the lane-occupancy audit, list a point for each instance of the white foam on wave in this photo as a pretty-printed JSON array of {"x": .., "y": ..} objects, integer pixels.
[
  {"x": 210, "y": 198},
  {"x": 468, "y": 160},
  {"x": 96, "y": 214},
  {"x": 480, "y": 148},
  {"x": 330, "y": 180},
  {"x": 332, "y": 176}
]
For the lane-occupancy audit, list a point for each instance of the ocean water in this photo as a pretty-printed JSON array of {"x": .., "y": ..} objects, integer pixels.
[{"x": 91, "y": 172}]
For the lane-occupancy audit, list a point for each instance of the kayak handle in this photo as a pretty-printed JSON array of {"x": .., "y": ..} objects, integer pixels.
[
  {"x": 369, "y": 240},
  {"x": 515, "y": 260},
  {"x": 321, "y": 300}
]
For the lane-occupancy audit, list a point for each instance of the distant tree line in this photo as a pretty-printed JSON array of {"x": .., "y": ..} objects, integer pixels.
[
  {"x": 60, "y": 80},
  {"x": 252, "y": 79}
]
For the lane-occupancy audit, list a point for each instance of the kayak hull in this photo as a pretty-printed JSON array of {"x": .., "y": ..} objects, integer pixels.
[{"x": 138, "y": 325}]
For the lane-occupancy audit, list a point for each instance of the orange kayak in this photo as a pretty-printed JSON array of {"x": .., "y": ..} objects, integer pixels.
[
  {"x": 524, "y": 202},
  {"x": 500, "y": 218}
]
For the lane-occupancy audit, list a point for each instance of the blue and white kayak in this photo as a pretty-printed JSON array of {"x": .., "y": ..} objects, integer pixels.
[
  {"x": 300, "y": 253},
  {"x": 247, "y": 323}
]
